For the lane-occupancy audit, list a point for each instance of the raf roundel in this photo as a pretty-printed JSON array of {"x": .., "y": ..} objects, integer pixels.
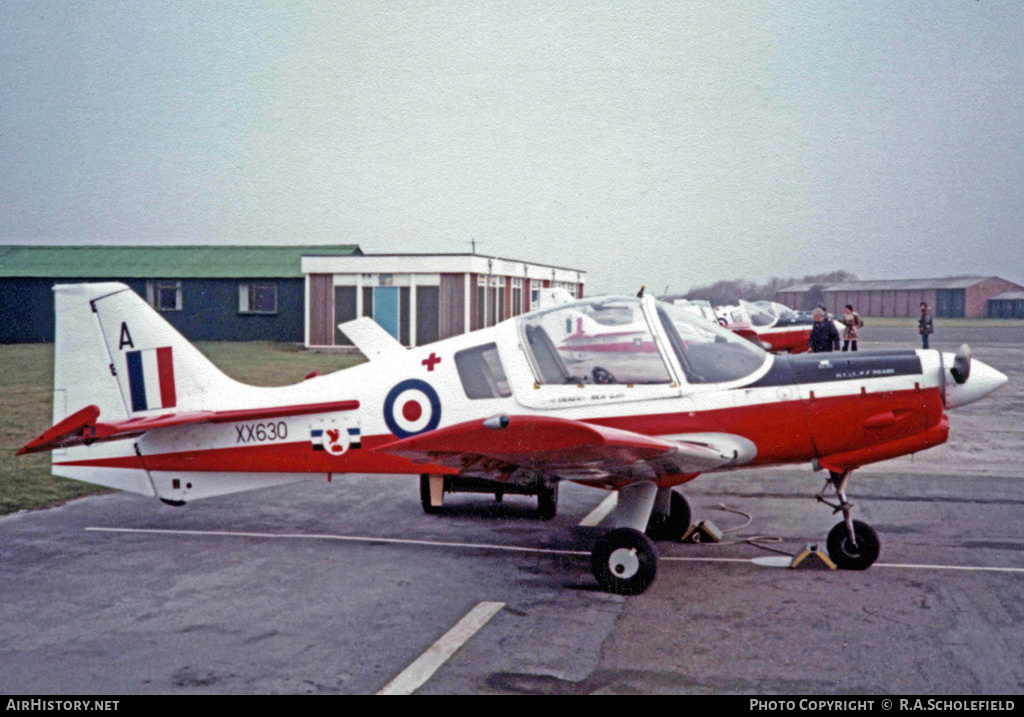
[{"x": 412, "y": 407}]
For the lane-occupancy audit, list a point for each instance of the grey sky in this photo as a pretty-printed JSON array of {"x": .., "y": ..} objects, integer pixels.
[{"x": 668, "y": 143}]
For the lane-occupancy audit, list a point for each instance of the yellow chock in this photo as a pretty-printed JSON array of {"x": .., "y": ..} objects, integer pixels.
[
  {"x": 812, "y": 558},
  {"x": 703, "y": 532}
]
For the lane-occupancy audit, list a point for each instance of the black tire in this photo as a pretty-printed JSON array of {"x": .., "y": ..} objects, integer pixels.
[
  {"x": 624, "y": 562},
  {"x": 843, "y": 552},
  {"x": 673, "y": 526},
  {"x": 547, "y": 501},
  {"x": 425, "y": 496}
]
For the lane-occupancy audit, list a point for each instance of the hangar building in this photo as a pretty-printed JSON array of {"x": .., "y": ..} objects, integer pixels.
[
  {"x": 280, "y": 293},
  {"x": 1008, "y": 305},
  {"x": 225, "y": 293},
  {"x": 420, "y": 298},
  {"x": 962, "y": 296}
]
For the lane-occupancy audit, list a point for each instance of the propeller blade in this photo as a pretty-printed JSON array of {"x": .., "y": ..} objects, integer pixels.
[{"x": 961, "y": 369}]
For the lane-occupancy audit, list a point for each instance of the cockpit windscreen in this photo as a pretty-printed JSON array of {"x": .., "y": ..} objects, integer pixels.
[{"x": 707, "y": 352}]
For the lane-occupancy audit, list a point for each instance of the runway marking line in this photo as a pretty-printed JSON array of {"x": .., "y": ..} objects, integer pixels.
[
  {"x": 422, "y": 668},
  {"x": 760, "y": 561},
  {"x": 344, "y": 538}
]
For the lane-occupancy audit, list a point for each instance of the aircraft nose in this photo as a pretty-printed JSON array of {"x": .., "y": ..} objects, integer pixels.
[{"x": 982, "y": 381}]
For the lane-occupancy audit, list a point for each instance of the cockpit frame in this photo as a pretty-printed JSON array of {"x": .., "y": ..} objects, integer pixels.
[{"x": 549, "y": 382}]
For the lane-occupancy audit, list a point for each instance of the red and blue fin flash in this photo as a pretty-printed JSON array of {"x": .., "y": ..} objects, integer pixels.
[{"x": 151, "y": 379}]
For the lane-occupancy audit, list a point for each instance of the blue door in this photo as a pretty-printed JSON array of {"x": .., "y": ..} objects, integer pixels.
[{"x": 385, "y": 308}]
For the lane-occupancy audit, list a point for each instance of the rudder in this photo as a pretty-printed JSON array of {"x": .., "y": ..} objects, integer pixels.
[{"x": 153, "y": 367}]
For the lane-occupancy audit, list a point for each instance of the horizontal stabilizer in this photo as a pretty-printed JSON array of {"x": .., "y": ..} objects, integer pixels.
[
  {"x": 75, "y": 429},
  {"x": 371, "y": 339},
  {"x": 82, "y": 428}
]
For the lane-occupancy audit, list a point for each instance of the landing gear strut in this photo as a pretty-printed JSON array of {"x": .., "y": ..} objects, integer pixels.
[
  {"x": 852, "y": 544},
  {"x": 547, "y": 501}
]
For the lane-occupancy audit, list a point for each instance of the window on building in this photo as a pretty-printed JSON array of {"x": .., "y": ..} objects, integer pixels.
[
  {"x": 164, "y": 295},
  {"x": 428, "y": 302},
  {"x": 571, "y": 287},
  {"x": 517, "y": 296},
  {"x": 497, "y": 300},
  {"x": 481, "y": 301},
  {"x": 344, "y": 310},
  {"x": 490, "y": 308},
  {"x": 257, "y": 298}
]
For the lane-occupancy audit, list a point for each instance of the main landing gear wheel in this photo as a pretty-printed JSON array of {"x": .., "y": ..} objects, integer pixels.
[
  {"x": 624, "y": 562},
  {"x": 547, "y": 501},
  {"x": 848, "y": 556},
  {"x": 671, "y": 527}
]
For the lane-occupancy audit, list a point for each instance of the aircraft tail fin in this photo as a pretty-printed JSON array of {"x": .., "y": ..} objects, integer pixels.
[
  {"x": 117, "y": 361},
  {"x": 113, "y": 351}
]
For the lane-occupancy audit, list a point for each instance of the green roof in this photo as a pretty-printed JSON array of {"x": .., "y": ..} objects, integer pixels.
[{"x": 163, "y": 262}]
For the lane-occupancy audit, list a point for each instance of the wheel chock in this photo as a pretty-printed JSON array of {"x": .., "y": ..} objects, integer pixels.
[
  {"x": 436, "y": 491},
  {"x": 703, "y": 532},
  {"x": 812, "y": 558}
]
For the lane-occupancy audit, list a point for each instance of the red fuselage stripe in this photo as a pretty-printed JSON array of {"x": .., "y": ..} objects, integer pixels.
[
  {"x": 789, "y": 340},
  {"x": 784, "y": 432}
]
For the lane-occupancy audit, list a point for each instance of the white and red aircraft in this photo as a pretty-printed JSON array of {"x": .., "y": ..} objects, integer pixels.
[
  {"x": 503, "y": 410},
  {"x": 733, "y": 318},
  {"x": 775, "y": 327}
]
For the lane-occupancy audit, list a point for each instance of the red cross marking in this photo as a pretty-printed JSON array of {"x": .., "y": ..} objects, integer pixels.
[{"x": 431, "y": 361}]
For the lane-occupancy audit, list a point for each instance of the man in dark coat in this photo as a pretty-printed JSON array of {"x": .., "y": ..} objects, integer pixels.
[
  {"x": 824, "y": 335},
  {"x": 925, "y": 325}
]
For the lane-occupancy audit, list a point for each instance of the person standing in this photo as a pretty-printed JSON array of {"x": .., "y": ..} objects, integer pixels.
[
  {"x": 852, "y": 322},
  {"x": 824, "y": 336},
  {"x": 925, "y": 326}
]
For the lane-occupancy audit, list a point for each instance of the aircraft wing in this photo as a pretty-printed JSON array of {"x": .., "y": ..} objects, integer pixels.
[
  {"x": 557, "y": 447},
  {"x": 82, "y": 427}
]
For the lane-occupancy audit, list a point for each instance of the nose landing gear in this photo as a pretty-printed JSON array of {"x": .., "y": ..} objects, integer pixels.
[{"x": 852, "y": 544}]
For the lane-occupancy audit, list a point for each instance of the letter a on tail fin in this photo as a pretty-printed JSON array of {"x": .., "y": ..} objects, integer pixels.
[{"x": 144, "y": 363}]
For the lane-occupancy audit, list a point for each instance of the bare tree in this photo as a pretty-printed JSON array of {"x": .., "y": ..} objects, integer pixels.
[{"x": 731, "y": 291}]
